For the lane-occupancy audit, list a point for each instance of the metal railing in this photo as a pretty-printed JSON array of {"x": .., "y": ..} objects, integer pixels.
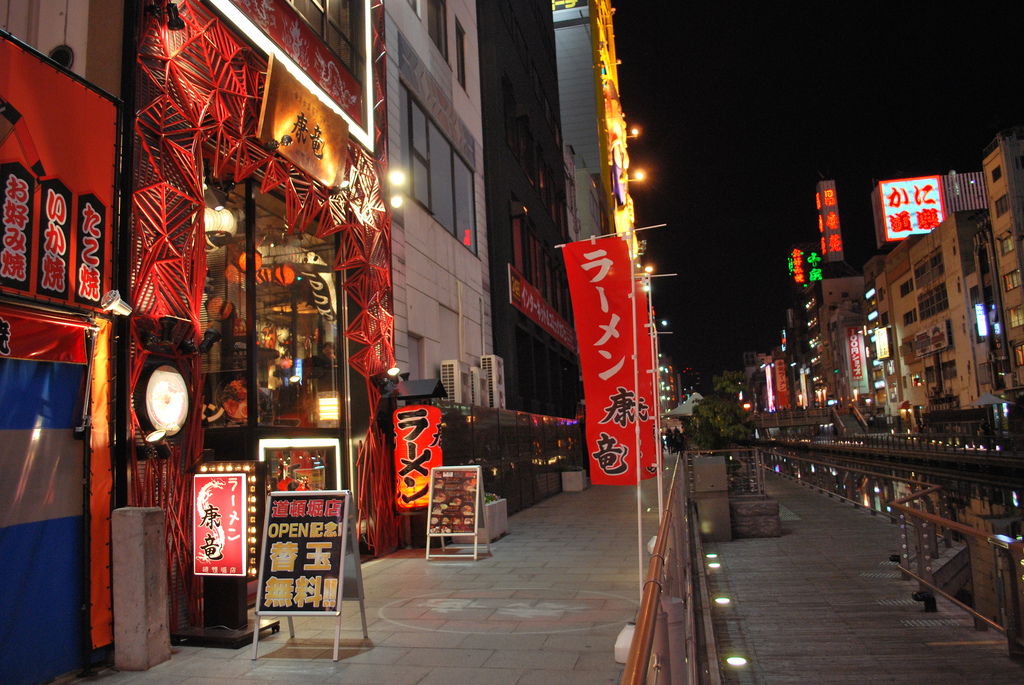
[
  {"x": 977, "y": 571},
  {"x": 673, "y": 642},
  {"x": 1008, "y": 449}
]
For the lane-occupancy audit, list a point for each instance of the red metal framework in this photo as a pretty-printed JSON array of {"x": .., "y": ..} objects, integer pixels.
[{"x": 198, "y": 103}]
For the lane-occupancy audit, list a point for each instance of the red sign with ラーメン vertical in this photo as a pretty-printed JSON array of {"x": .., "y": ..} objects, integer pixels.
[
  {"x": 218, "y": 524},
  {"x": 615, "y": 359},
  {"x": 417, "y": 450}
]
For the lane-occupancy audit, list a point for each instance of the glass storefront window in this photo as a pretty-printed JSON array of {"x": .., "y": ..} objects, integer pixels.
[
  {"x": 224, "y": 311},
  {"x": 296, "y": 323},
  {"x": 295, "y": 318}
]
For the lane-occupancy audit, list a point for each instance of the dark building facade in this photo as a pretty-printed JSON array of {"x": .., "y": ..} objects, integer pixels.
[{"x": 526, "y": 191}]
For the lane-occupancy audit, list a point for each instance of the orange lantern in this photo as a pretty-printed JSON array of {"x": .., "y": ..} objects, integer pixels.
[
  {"x": 265, "y": 275},
  {"x": 258, "y": 259},
  {"x": 219, "y": 308},
  {"x": 284, "y": 274}
]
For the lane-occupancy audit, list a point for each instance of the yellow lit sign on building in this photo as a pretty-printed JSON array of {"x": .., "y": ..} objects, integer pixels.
[{"x": 295, "y": 123}]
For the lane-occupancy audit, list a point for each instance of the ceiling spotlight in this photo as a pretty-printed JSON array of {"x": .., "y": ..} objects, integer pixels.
[
  {"x": 397, "y": 201},
  {"x": 188, "y": 346},
  {"x": 210, "y": 337},
  {"x": 155, "y": 436},
  {"x": 174, "y": 20},
  {"x": 396, "y": 177},
  {"x": 394, "y": 371},
  {"x": 112, "y": 302}
]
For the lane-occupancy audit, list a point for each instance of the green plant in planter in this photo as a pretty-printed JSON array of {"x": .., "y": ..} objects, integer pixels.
[{"x": 490, "y": 498}]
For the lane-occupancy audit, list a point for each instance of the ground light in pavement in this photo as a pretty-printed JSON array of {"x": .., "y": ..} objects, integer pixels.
[
  {"x": 722, "y": 600},
  {"x": 714, "y": 564},
  {"x": 711, "y": 555},
  {"x": 736, "y": 661}
]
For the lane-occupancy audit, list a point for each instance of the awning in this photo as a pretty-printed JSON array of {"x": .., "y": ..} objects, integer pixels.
[{"x": 988, "y": 399}]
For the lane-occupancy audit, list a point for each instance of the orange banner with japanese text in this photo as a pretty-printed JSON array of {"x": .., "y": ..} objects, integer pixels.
[{"x": 616, "y": 361}]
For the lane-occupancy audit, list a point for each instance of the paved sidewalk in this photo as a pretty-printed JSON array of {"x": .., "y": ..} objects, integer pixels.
[
  {"x": 823, "y": 604},
  {"x": 545, "y": 609}
]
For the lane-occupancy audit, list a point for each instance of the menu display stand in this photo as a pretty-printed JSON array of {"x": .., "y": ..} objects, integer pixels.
[
  {"x": 309, "y": 563},
  {"x": 454, "y": 510}
]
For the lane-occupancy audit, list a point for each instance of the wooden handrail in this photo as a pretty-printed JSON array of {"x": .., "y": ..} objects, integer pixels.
[{"x": 635, "y": 672}]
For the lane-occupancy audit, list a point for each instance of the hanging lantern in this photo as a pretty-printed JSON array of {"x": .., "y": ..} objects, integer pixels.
[
  {"x": 233, "y": 274},
  {"x": 258, "y": 259},
  {"x": 284, "y": 274},
  {"x": 265, "y": 275},
  {"x": 218, "y": 308}
]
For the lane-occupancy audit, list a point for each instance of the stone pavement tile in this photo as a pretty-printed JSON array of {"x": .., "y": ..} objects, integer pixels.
[
  {"x": 548, "y": 677},
  {"x": 467, "y": 676},
  {"x": 466, "y": 658},
  {"x": 110, "y": 676},
  {"x": 376, "y": 674},
  {"x": 603, "y": 660},
  {"x": 492, "y": 625},
  {"x": 423, "y": 638},
  {"x": 585, "y": 644},
  {"x": 552, "y": 660},
  {"x": 497, "y": 641}
]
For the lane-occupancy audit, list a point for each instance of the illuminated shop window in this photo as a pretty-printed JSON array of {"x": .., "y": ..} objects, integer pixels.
[
  {"x": 295, "y": 320},
  {"x": 296, "y": 323}
]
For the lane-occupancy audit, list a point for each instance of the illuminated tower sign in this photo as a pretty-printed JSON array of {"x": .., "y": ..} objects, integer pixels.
[{"x": 827, "y": 203}]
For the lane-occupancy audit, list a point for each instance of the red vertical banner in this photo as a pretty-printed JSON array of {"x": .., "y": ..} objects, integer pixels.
[
  {"x": 600, "y": 275},
  {"x": 647, "y": 366},
  {"x": 417, "y": 450},
  {"x": 781, "y": 385}
]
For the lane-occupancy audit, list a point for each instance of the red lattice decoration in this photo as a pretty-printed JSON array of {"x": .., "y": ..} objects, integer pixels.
[{"x": 199, "y": 89}]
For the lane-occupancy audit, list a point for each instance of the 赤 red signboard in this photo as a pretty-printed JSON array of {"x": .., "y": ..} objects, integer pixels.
[
  {"x": 290, "y": 32},
  {"x": 36, "y": 336},
  {"x": 827, "y": 203},
  {"x": 57, "y": 160},
  {"x": 600, "y": 277},
  {"x": 219, "y": 524},
  {"x": 531, "y": 302},
  {"x": 417, "y": 450}
]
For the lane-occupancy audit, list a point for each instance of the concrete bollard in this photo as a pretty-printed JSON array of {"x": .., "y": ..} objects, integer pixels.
[{"x": 139, "y": 549}]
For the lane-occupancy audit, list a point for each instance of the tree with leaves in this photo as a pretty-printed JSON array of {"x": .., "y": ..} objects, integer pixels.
[{"x": 719, "y": 420}]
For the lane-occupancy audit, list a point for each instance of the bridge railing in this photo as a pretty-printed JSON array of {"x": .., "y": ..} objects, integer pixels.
[
  {"x": 953, "y": 443},
  {"x": 980, "y": 572},
  {"x": 673, "y": 642}
]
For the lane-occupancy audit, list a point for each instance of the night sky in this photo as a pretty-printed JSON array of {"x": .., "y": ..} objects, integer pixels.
[{"x": 744, "y": 106}]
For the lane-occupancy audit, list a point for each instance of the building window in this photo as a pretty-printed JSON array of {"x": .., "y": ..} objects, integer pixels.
[
  {"x": 1011, "y": 280},
  {"x": 910, "y": 317},
  {"x": 906, "y": 287},
  {"x": 437, "y": 25},
  {"x": 1016, "y": 316},
  {"x": 460, "y": 53},
  {"x": 997, "y": 173},
  {"x": 1018, "y": 355},
  {"x": 1006, "y": 244},
  {"x": 339, "y": 23},
  {"x": 933, "y": 301},
  {"x": 1002, "y": 205},
  {"x": 442, "y": 182}
]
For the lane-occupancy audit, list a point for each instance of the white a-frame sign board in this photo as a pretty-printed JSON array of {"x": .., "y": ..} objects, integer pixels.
[
  {"x": 309, "y": 562},
  {"x": 454, "y": 510}
]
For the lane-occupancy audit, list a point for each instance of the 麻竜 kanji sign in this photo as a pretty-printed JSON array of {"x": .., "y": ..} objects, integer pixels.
[{"x": 616, "y": 360}]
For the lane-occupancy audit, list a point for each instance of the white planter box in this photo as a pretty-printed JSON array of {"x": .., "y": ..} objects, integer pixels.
[
  {"x": 495, "y": 521},
  {"x": 575, "y": 481}
]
